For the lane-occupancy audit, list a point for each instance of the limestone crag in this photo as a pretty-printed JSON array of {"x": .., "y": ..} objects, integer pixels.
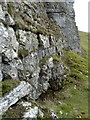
[
  {"x": 63, "y": 14},
  {"x": 22, "y": 90},
  {"x": 33, "y": 37}
]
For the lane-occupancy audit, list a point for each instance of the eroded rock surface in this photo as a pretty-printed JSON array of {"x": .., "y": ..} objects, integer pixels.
[
  {"x": 33, "y": 37},
  {"x": 22, "y": 90}
]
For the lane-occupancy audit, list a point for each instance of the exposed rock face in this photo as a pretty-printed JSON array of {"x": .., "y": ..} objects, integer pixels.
[
  {"x": 32, "y": 39},
  {"x": 63, "y": 14},
  {"x": 22, "y": 90}
]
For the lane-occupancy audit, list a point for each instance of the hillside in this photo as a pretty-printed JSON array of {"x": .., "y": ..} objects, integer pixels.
[{"x": 84, "y": 40}]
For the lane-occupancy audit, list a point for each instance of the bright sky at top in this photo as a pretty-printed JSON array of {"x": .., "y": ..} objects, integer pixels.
[{"x": 81, "y": 12}]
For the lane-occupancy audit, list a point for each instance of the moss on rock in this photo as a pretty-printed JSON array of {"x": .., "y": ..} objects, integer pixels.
[
  {"x": 23, "y": 53},
  {"x": 9, "y": 85},
  {"x": 56, "y": 58}
]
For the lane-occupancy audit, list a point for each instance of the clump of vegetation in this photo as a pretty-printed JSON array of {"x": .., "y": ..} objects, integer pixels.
[
  {"x": 9, "y": 85},
  {"x": 23, "y": 53},
  {"x": 56, "y": 58},
  {"x": 10, "y": 8},
  {"x": 43, "y": 60},
  {"x": 16, "y": 112}
]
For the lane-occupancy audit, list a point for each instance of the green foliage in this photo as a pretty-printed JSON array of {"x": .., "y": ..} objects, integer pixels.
[
  {"x": 56, "y": 58},
  {"x": 84, "y": 40},
  {"x": 77, "y": 64},
  {"x": 44, "y": 60},
  {"x": 8, "y": 85}
]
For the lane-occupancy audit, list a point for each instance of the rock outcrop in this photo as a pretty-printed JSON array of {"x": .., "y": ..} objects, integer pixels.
[
  {"x": 22, "y": 90},
  {"x": 63, "y": 14},
  {"x": 33, "y": 37}
]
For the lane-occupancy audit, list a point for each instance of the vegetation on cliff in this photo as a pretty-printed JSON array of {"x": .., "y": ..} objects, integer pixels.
[
  {"x": 72, "y": 100},
  {"x": 38, "y": 61}
]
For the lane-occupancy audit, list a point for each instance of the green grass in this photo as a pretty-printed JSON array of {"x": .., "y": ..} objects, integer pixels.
[
  {"x": 9, "y": 85},
  {"x": 78, "y": 65},
  {"x": 23, "y": 53},
  {"x": 72, "y": 100},
  {"x": 56, "y": 58},
  {"x": 84, "y": 40}
]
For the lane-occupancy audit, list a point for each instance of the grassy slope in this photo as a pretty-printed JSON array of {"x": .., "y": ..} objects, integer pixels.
[
  {"x": 84, "y": 40},
  {"x": 72, "y": 100}
]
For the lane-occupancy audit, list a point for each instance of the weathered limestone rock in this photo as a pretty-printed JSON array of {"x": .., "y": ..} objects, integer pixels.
[
  {"x": 28, "y": 39},
  {"x": 63, "y": 14},
  {"x": 44, "y": 41},
  {"x": 8, "y": 50},
  {"x": 9, "y": 19},
  {"x": 22, "y": 90},
  {"x": 32, "y": 39},
  {"x": 54, "y": 116},
  {"x": 32, "y": 113},
  {"x": 13, "y": 41},
  {"x": 17, "y": 63},
  {"x": 10, "y": 72},
  {"x": 1, "y": 75},
  {"x": 56, "y": 81},
  {"x": 10, "y": 54},
  {"x": 8, "y": 42},
  {"x": 2, "y": 15}
]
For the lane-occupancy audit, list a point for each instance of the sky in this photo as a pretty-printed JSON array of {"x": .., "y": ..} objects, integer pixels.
[{"x": 81, "y": 12}]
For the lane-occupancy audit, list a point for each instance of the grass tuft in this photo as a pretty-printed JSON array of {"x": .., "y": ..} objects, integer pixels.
[{"x": 9, "y": 85}]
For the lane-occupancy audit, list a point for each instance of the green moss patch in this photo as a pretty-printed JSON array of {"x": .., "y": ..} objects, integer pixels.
[
  {"x": 23, "y": 53},
  {"x": 44, "y": 60},
  {"x": 8, "y": 85},
  {"x": 56, "y": 58}
]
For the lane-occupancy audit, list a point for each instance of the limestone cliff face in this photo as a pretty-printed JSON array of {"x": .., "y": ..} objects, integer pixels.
[
  {"x": 63, "y": 15},
  {"x": 33, "y": 37}
]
